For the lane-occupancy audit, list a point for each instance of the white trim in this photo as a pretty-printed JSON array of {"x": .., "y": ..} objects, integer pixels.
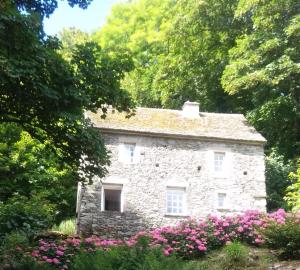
[
  {"x": 227, "y": 163},
  {"x": 176, "y": 183},
  {"x": 115, "y": 180}
]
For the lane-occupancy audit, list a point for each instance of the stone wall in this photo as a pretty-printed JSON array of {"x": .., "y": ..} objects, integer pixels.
[{"x": 165, "y": 162}]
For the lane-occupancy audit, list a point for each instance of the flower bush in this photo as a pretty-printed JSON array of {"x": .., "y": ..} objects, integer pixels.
[
  {"x": 189, "y": 239},
  {"x": 60, "y": 254},
  {"x": 284, "y": 235}
]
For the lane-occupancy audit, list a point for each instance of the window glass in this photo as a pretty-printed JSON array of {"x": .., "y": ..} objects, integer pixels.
[
  {"x": 219, "y": 158},
  {"x": 129, "y": 152},
  {"x": 221, "y": 199},
  {"x": 175, "y": 201}
]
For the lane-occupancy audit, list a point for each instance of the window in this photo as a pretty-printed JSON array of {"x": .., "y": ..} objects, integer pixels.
[
  {"x": 219, "y": 158},
  {"x": 112, "y": 198},
  {"x": 128, "y": 152},
  {"x": 176, "y": 201},
  {"x": 221, "y": 200}
]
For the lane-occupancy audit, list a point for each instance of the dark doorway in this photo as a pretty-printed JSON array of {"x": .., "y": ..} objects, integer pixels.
[{"x": 112, "y": 200}]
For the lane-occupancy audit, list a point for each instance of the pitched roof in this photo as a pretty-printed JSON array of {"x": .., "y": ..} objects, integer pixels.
[{"x": 171, "y": 123}]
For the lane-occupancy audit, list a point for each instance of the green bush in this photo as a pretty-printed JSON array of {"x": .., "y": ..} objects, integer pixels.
[
  {"x": 139, "y": 257},
  {"x": 236, "y": 256},
  {"x": 12, "y": 247},
  {"x": 21, "y": 214},
  {"x": 67, "y": 227},
  {"x": 284, "y": 237}
]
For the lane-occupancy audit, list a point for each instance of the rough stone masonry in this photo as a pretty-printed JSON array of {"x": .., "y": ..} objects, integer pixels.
[{"x": 163, "y": 161}]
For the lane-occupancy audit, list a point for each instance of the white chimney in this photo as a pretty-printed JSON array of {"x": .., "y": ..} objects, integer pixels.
[{"x": 190, "y": 109}]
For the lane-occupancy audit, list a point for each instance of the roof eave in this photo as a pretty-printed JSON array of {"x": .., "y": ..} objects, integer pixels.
[{"x": 261, "y": 142}]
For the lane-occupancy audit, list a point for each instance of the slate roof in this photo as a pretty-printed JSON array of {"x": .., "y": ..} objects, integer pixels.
[{"x": 171, "y": 123}]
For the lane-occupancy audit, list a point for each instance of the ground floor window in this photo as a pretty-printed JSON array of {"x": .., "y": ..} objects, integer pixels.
[
  {"x": 176, "y": 200},
  {"x": 112, "y": 198},
  {"x": 221, "y": 200}
]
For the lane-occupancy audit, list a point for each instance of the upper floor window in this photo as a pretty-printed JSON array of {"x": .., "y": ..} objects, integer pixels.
[
  {"x": 127, "y": 152},
  {"x": 176, "y": 201},
  {"x": 219, "y": 160}
]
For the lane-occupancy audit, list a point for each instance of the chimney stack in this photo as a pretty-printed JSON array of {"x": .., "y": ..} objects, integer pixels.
[{"x": 190, "y": 110}]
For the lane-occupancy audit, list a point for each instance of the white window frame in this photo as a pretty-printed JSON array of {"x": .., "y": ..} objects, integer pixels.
[
  {"x": 219, "y": 163},
  {"x": 184, "y": 198},
  {"x": 226, "y": 204},
  {"x": 227, "y": 163},
  {"x": 123, "y": 154},
  {"x": 112, "y": 187}
]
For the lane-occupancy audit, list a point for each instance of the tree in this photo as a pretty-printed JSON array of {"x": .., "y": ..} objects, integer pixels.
[
  {"x": 138, "y": 29},
  {"x": 70, "y": 38},
  {"x": 293, "y": 191},
  {"x": 264, "y": 71},
  {"x": 180, "y": 49},
  {"x": 277, "y": 180},
  {"x": 47, "y": 95},
  {"x": 201, "y": 35},
  {"x": 28, "y": 168}
]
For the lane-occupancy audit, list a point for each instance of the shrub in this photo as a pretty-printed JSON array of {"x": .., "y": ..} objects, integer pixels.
[
  {"x": 284, "y": 236},
  {"x": 188, "y": 240},
  {"x": 293, "y": 191},
  {"x": 139, "y": 257},
  {"x": 193, "y": 239},
  {"x": 25, "y": 215},
  {"x": 236, "y": 256},
  {"x": 66, "y": 227},
  {"x": 12, "y": 248}
]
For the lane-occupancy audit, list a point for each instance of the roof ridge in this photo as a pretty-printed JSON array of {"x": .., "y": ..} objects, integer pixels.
[{"x": 201, "y": 112}]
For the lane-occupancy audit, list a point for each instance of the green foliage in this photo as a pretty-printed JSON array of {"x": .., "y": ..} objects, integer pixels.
[
  {"x": 139, "y": 257},
  {"x": 25, "y": 215},
  {"x": 236, "y": 256},
  {"x": 47, "y": 95},
  {"x": 139, "y": 28},
  {"x": 28, "y": 167},
  {"x": 12, "y": 248},
  {"x": 179, "y": 49},
  {"x": 66, "y": 227},
  {"x": 27, "y": 263},
  {"x": 70, "y": 38},
  {"x": 284, "y": 237},
  {"x": 293, "y": 191},
  {"x": 277, "y": 180},
  {"x": 264, "y": 73}
]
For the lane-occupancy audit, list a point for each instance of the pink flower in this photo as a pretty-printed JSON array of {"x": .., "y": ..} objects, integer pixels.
[
  {"x": 35, "y": 253},
  {"x": 240, "y": 229},
  {"x": 55, "y": 261},
  {"x": 202, "y": 248},
  {"x": 59, "y": 253}
]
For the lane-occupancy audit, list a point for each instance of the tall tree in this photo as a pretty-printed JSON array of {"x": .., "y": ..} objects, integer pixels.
[
  {"x": 70, "y": 38},
  {"x": 200, "y": 37},
  {"x": 47, "y": 95},
  {"x": 139, "y": 29},
  {"x": 264, "y": 71}
]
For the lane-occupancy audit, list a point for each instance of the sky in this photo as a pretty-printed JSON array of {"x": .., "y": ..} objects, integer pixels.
[{"x": 87, "y": 20}]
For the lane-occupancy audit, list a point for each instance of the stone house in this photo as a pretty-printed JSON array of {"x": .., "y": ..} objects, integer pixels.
[{"x": 167, "y": 165}]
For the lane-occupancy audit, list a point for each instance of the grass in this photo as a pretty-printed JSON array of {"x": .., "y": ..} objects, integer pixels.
[
  {"x": 66, "y": 227},
  {"x": 234, "y": 257}
]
